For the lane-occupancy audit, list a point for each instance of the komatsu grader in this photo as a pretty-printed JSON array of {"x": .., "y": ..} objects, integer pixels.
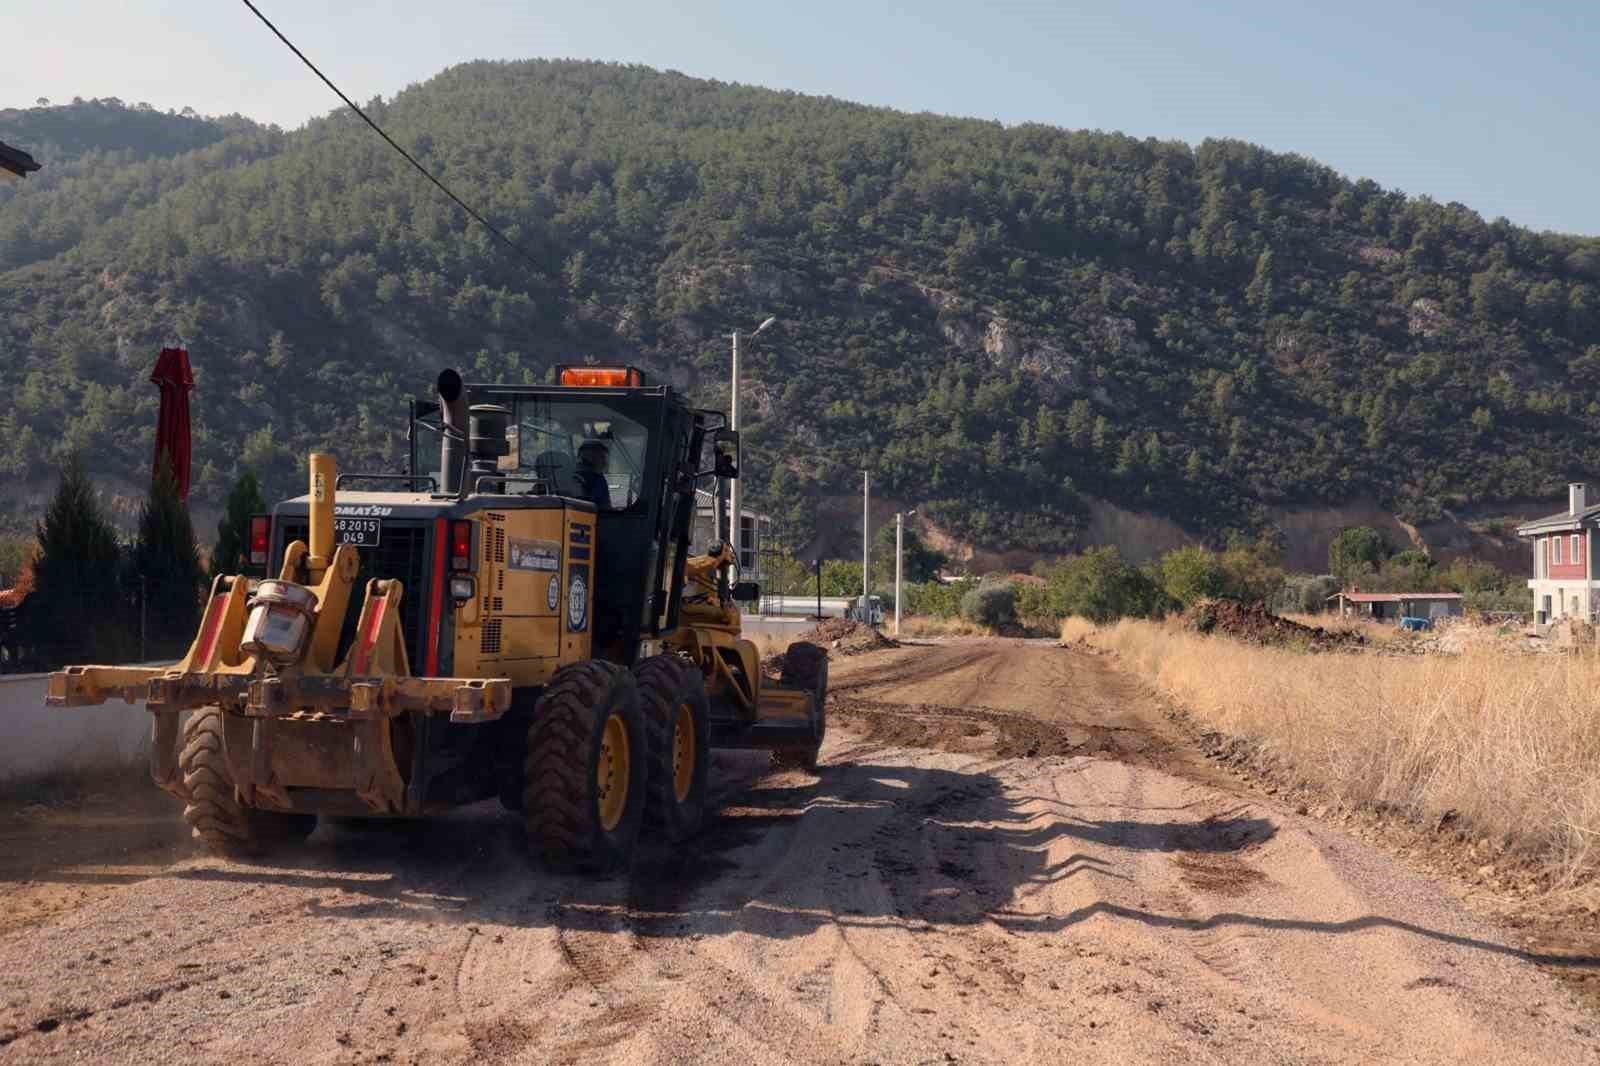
[{"x": 525, "y": 622}]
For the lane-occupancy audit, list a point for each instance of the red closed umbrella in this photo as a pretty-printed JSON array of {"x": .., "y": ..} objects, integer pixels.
[{"x": 175, "y": 379}]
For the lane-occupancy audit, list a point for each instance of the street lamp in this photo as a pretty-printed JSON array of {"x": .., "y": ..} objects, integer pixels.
[
  {"x": 735, "y": 496},
  {"x": 899, "y": 555}
]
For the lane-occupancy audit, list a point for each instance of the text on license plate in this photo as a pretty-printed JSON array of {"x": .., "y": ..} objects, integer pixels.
[{"x": 362, "y": 532}]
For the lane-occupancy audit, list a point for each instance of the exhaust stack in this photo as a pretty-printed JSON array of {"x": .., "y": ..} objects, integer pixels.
[{"x": 453, "y": 441}]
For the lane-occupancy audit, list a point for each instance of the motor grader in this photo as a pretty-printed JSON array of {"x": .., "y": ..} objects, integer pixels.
[{"x": 524, "y": 622}]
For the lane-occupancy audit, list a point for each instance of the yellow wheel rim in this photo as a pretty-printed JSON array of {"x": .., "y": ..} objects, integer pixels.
[
  {"x": 611, "y": 772},
  {"x": 683, "y": 752}
]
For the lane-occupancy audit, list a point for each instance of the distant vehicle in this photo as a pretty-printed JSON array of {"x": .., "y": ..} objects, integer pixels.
[
  {"x": 1416, "y": 624},
  {"x": 793, "y": 605},
  {"x": 868, "y": 609}
]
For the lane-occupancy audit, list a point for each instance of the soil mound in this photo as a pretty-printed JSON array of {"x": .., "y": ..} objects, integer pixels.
[
  {"x": 847, "y": 637},
  {"x": 1252, "y": 623}
]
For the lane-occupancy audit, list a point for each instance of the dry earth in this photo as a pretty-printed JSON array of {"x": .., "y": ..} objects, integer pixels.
[{"x": 1008, "y": 857}]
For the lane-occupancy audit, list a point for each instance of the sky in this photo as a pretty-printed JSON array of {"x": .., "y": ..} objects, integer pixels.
[{"x": 1494, "y": 105}]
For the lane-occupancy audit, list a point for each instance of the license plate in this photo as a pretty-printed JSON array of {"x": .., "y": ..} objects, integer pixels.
[{"x": 361, "y": 532}]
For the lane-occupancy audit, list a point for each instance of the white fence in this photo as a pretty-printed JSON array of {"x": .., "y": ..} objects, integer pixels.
[{"x": 40, "y": 741}]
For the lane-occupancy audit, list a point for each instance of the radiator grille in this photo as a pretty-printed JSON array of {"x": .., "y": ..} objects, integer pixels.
[
  {"x": 499, "y": 544},
  {"x": 402, "y": 553},
  {"x": 490, "y": 641}
]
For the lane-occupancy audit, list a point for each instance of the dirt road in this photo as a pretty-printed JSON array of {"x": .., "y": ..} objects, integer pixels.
[{"x": 994, "y": 865}]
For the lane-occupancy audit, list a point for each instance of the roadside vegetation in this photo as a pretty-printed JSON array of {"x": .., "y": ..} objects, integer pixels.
[{"x": 1495, "y": 745}]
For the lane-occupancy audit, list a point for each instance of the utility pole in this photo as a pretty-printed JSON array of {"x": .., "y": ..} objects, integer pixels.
[
  {"x": 866, "y": 541},
  {"x": 899, "y": 556},
  {"x": 735, "y": 501},
  {"x": 899, "y": 559},
  {"x": 735, "y": 494}
]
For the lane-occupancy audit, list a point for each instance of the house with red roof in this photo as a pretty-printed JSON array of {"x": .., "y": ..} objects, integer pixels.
[{"x": 1564, "y": 582}]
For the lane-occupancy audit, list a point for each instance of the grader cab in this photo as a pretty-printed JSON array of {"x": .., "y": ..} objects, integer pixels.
[{"x": 525, "y": 621}]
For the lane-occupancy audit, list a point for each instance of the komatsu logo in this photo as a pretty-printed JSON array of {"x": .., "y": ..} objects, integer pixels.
[{"x": 366, "y": 510}]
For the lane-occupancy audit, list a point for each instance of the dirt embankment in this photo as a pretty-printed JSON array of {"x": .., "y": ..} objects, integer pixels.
[
  {"x": 1252, "y": 623},
  {"x": 1006, "y": 857}
]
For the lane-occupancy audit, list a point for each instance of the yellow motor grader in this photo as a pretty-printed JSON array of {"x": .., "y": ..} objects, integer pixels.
[{"x": 514, "y": 623}]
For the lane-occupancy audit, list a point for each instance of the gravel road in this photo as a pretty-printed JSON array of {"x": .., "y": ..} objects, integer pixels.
[{"x": 1007, "y": 857}]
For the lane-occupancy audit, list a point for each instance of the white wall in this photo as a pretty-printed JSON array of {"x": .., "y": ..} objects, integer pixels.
[{"x": 38, "y": 741}]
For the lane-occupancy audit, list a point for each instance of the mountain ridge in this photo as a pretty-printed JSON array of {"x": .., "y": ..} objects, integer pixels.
[{"x": 983, "y": 314}]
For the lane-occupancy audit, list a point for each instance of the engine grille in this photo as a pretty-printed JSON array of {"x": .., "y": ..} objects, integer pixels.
[
  {"x": 402, "y": 553},
  {"x": 489, "y": 644}
]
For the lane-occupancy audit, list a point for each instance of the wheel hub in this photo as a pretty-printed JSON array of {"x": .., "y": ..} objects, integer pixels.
[{"x": 612, "y": 772}]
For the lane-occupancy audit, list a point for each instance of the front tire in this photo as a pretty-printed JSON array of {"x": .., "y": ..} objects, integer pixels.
[
  {"x": 585, "y": 772},
  {"x": 213, "y": 810},
  {"x": 672, "y": 694}
]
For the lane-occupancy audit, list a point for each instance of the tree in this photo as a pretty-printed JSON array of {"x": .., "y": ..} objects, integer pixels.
[
  {"x": 75, "y": 611},
  {"x": 1354, "y": 552},
  {"x": 1259, "y": 291},
  {"x": 1100, "y": 586},
  {"x": 921, "y": 563},
  {"x": 233, "y": 530},
  {"x": 1191, "y": 574},
  {"x": 164, "y": 569}
]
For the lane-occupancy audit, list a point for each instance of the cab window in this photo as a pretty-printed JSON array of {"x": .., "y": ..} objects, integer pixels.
[{"x": 583, "y": 449}]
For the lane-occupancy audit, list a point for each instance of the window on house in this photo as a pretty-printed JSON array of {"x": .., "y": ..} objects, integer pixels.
[
  {"x": 1555, "y": 551},
  {"x": 1576, "y": 554}
]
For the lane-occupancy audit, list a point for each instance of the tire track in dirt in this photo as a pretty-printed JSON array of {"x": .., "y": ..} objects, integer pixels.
[{"x": 989, "y": 866}]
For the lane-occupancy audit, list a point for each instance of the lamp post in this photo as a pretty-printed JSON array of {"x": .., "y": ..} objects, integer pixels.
[
  {"x": 899, "y": 557},
  {"x": 735, "y": 497},
  {"x": 866, "y": 554}
]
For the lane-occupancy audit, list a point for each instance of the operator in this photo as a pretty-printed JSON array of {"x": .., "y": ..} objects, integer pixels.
[{"x": 594, "y": 458}]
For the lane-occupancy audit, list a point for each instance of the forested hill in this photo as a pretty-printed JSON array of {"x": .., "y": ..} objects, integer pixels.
[{"x": 997, "y": 321}]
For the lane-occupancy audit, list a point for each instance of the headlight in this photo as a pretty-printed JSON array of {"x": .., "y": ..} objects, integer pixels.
[
  {"x": 280, "y": 618},
  {"x": 462, "y": 589}
]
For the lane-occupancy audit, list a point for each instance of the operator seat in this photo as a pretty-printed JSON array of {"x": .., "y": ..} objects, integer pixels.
[{"x": 555, "y": 469}]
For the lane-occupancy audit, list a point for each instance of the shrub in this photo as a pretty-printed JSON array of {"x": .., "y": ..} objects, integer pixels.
[{"x": 993, "y": 606}]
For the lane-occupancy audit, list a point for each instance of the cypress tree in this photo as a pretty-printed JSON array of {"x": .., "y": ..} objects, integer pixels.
[
  {"x": 233, "y": 530},
  {"x": 165, "y": 569},
  {"x": 75, "y": 613}
]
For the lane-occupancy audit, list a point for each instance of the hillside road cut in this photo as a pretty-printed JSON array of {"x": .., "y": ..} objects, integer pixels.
[{"x": 1008, "y": 856}]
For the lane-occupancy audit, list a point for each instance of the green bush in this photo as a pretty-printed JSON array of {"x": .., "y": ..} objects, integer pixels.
[
  {"x": 993, "y": 606},
  {"x": 936, "y": 598}
]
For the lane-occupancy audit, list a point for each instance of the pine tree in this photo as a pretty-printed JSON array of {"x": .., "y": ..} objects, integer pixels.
[
  {"x": 165, "y": 568},
  {"x": 233, "y": 531},
  {"x": 75, "y": 612}
]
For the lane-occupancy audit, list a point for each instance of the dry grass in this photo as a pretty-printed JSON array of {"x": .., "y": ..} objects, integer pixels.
[
  {"x": 921, "y": 625},
  {"x": 1510, "y": 744},
  {"x": 1375, "y": 632},
  {"x": 1074, "y": 628}
]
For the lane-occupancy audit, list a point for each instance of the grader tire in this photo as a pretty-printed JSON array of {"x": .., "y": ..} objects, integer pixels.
[
  {"x": 585, "y": 771},
  {"x": 213, "y": 810},
  {"x": 672, "y": 695},
  {"x": 805, "y": 667}
]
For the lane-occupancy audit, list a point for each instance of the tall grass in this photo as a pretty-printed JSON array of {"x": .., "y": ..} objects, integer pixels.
[{"x": 1508, "y": 744}]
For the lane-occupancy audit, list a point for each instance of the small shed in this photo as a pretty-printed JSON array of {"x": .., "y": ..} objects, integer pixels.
[{"x": 1393, "y": 606}]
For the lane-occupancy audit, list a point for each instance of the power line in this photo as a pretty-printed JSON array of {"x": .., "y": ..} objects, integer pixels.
[{"x": 509, "y": 243}]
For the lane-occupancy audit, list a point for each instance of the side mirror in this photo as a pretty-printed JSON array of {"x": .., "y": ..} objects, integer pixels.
[
  {"x": 746, "y": 592},
  {"x": 725, "y": 446}
]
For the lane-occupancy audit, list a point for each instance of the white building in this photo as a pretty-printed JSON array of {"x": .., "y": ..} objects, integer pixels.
[{"x": 1566, "y": 574}]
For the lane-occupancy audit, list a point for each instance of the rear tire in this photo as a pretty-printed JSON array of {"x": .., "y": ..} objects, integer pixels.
[
  {"x": 585, "y": 773},
  {"x": 805, "y": 667},
  {"x": 213, "y": 811},
  {"x": 672, "y": 695}
]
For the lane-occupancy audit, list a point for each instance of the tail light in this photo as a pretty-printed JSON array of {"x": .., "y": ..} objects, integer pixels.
[
  {"x": 461, "y": 544},
  {"x": 260, "y": 538}
]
